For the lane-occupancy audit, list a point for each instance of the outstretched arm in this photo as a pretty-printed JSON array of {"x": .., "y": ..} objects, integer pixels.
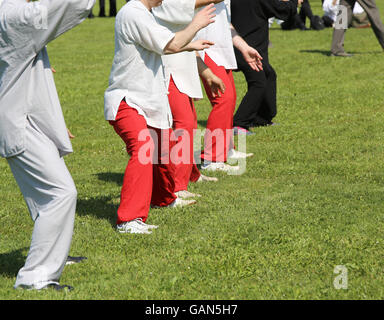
[{"x": 182, "y": 40}]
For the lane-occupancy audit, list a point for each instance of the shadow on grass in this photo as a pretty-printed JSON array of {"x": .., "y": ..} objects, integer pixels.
[
  {"x": 328, "y": 52},
  {"x": 11, "y": 262},
  {"x": 111, "y": 177},
  {"x": 99, "y": 207},
  {"x": 102, "y": 207},
  {"x": 202, "y": 123}
]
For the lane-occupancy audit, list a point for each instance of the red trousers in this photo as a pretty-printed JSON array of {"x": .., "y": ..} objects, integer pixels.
[
  {"x": 149, "y": 175},
  {"x": 219, "y": 138},
  {"x": 184, "y": 123}
]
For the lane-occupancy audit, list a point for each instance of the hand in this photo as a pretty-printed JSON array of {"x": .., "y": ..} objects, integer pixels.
[
  {"x": 216, "y": 84},
  {"x": 53, "y": 70},
  {"x": 205, "y": 16},
  {"x": 70, "y": 135},
  {"x": 253, "y": 58},
  {"x": 199, "y": 45},
  {"x": 299, "y": 2}
]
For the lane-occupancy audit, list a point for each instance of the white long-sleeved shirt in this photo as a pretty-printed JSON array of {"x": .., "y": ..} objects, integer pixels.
[
  {"x": 176, "y": 15},
  {"x": 137, "y": 71},
  {"x": 27, "y": 88}
]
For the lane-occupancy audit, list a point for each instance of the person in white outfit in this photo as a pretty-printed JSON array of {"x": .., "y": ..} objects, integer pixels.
[{"x": 33, "y": 134}]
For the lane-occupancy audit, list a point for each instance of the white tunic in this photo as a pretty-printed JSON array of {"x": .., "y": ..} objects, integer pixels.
[
  {"x": 176, "y": 15},
  {"x": 27, "y": 88},
  {"x": 222, "y": 53},
  {"x": 137, "y": 72}
]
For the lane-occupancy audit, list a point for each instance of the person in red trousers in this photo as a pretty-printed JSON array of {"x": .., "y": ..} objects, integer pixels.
[
  {"x": 182, "y": 74},
  {"x": 220, "y": 58},
  {"x": 137, "y": 106}
]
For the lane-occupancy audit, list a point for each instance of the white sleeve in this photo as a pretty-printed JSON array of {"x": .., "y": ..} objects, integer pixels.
[
  {"x": 47, "y": 19},
  {"x": 145, "y": 31},
  {"x": 176, "y": 11}
]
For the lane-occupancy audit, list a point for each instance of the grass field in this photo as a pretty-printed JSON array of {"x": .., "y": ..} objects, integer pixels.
[{"x": 311, "y": 199}]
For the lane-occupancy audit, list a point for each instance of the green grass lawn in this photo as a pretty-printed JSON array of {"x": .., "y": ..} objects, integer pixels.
[{"x": 311, "y": 199}]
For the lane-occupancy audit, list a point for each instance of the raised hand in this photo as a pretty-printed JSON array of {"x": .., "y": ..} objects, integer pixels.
[{"x": 205, "y": 16}]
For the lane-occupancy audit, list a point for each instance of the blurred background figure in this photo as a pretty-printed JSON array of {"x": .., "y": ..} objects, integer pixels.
[
  {"x": 373, "y": 14},
  {"x": 112, "y": 8},
  {"x": 298, "y": 21}
]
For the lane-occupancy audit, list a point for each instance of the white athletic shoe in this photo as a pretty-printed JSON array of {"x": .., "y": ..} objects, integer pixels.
[
  {"x": 236, "y": 155},
  {"x": 185, "y": 194},
  {"x": 219, "y": 166},
  {"x": 204, "y": 178},
  {"x": 136, "y": 226},
  {"x": 178, "y": 203}
]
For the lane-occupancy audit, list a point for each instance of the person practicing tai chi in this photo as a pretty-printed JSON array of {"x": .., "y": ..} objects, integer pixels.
[
  {"x": 251, "y": 20},
  {"x": 220, "y": 58},
  {"x": 182, "y": 74},
  {"x": 373, "y": 13},
  {"x": 33, "y": 134},
  {"x": 136, "y": 105}
]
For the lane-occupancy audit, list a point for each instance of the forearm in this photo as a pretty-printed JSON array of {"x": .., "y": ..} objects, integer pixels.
[
  {"x": 202, "y": 3},
  {"x": 203, "y": 69},
  {"x": 238, "y": 41},
  {"x": 182, "y": 40}
]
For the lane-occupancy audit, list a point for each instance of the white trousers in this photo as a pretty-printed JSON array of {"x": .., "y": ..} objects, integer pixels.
[{"x": 51, "y": 195}]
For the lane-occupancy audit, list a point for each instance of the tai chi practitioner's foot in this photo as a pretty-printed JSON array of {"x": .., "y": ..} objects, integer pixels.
[
  {"x": 58, "y": 287},
  {"x": 73, "y": 260},
  {"x": 52, "y": 285},
  {"x": 177, "y": 203},
  {"x": 185, "y": 194},
  {"x": 240, "y": 131},
  {"x": 136, "y": 226},
  {"x": 236, "y": 155},
  {"x": 204, "y": 178},
  {"x": 219, "y": 166}
]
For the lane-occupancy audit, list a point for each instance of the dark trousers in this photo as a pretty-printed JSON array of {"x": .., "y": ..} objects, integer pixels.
[
  {"x": 258, "y": 106},
  {"x": 112, "y": 8},
  {"x": 298, "y": 20}
]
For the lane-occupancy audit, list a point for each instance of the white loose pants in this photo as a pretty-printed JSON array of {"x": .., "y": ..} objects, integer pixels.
[{"x": 51, "y": 195}]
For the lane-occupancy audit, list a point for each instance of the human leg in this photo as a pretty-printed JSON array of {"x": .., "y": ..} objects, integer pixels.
[{"x": 50, "y": 194}]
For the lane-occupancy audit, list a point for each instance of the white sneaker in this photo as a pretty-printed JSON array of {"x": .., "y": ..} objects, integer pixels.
[
  {"x": 148, "y": 226},
  {"x": 178, "y": 203},
  {"x": 204, "y": 178},
  {"x": 185, "y": 194},
  {"x": 235, "y": 155},
  {"x": 219, "y": 166},
  {"x": 136, "y": 226}
]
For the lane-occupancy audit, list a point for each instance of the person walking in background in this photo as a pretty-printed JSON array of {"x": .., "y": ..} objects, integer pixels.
[
  {"x": 370, "y": 7},
  {"x": 33, "y": 134},
  {"x": 112, "y": 8},
  {"x": 137, "y": 106},
  {"x": 250, "y": 18}
]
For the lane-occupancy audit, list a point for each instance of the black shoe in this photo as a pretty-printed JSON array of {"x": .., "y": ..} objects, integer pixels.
[
  {"x": 58, "y": 287},
  {"x": 73, "y": 260}
]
